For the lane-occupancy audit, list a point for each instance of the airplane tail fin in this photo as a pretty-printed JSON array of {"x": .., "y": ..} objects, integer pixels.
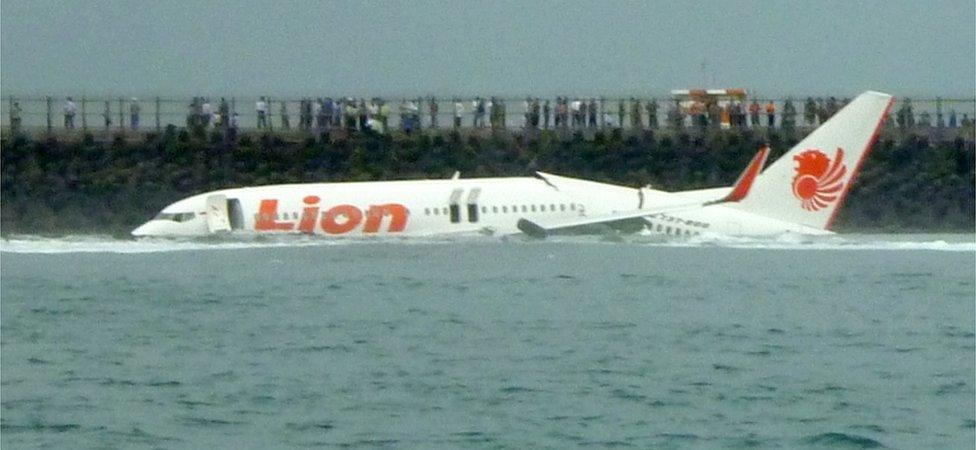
[{"x": 808, "y": 184}]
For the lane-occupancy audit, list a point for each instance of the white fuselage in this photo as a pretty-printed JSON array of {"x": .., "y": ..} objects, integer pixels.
[
  {"x": 454, "y": 206},
  {"x": 801, "y": 193}
]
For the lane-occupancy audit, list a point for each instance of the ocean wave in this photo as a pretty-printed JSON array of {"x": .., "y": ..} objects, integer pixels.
[
  {"x": 109, "y": 244},
  {"x": 842, "y": 440}
]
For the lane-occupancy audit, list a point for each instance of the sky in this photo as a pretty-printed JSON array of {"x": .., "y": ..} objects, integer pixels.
[{"x": 461, "y": 47}]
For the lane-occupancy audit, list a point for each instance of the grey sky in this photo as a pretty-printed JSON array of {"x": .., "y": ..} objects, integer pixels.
[{"x": 908, "y": 48}]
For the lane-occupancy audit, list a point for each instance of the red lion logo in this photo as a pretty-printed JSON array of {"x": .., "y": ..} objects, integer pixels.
[{"x": 818, "y": 180}]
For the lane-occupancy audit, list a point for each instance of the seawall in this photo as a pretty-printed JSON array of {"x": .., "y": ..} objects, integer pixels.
[{"x": 60, "y": 185}]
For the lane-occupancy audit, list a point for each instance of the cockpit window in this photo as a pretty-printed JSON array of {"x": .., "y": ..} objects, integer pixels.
[{"x": 175, "y": 217}]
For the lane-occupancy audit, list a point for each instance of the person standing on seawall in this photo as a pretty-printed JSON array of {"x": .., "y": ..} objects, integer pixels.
[
  {"x": 458, "y": 112},
  {"x": 261, "y": 107},
  {"x": 754, "y": 113},
  {"x": 770, "y": 113},
  {"x": 636, "y": 122},
  {"x": 546, "y": 109},
  {"x": 107, "y": 115},
  {"x": 535, "y": 113},
  {"x": 15, "y": 117},
  {"x": 810, "y": 112},
  {"x": 433, "y": 112},
  {"x": 592, "y": 112},
  {"x": 224, "y": 109},
  {"x": 69, "y": 113},
  {"x": 787, "y": 120},
  {"x": 134, "y": 110},
  {"x": 621, "y": 114},
  {"x": 285, "y": 124},
  {"x": 651, "y": 107}
]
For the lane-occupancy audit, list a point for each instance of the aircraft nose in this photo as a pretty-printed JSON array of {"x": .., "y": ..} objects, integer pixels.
[{"x": 142, "y": 230}]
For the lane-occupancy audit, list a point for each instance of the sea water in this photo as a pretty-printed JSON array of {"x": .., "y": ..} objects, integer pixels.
[{"x": 839, "y": 342}]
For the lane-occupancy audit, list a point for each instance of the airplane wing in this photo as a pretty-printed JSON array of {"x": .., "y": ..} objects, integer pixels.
[
  {"x": 542, "y": 230},
  {"x": 739, "y": 191}
]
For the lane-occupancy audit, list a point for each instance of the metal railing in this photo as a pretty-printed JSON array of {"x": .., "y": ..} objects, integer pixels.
[{"x": 48, "y": 113}]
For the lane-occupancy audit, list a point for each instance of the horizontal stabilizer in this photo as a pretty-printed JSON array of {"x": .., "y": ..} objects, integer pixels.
[{"x": 742, "y": 185}]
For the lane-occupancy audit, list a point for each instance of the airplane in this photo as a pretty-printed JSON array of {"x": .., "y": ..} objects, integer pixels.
[{"x": 799, "y": 193}]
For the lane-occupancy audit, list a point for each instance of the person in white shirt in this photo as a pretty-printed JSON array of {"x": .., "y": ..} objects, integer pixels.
[
  {"x": 575, "y": 107},
  {"x": 458, "y": 111},
  {"x": 69, "y": 113},
  {"x": 318, "y": 113},
  {"x": 491, "y": 112},
  {"x": 134, "y": 110},
  {"x": 373, "y": 109},
  {"x": 261, "y": 106},
  {"x": 206, "y": 110}
]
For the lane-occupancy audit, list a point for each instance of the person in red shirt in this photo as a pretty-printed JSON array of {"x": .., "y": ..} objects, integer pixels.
[{"x": 754, "y": 113}]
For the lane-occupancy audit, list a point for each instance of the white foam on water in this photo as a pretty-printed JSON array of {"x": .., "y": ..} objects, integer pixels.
[
  {"x": 108, "y": 244},
  {"x": 954, "y": 243}
]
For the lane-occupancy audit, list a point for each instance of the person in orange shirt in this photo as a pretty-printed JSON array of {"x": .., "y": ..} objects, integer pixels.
[{"x": 771, "y": 113}]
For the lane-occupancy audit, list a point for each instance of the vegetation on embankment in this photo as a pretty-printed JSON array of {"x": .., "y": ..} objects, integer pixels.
[{"x": 62, "y": 187}]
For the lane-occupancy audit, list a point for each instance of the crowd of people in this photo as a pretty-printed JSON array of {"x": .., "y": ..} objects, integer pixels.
[
  {"x": 203, "y": 114},
  {"x": 562, "y": 113}
]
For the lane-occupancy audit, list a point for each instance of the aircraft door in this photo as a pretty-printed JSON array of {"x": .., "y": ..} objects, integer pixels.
[
  {"x": 235, "y": 214},
  {"x": 473, "y": 205},
  {"x": 455, "y": 205},
  {"x": 217, "y": 217}
]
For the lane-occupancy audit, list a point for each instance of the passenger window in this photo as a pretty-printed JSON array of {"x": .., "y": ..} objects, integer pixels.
[
  {"x": 562, "y": 206},
  {"x": 524, "y": 209},
  {"x": 572, "y": 206},
  {"x": 505, "y": 209},
  {"x": 494, "y": 209},
  {"x": 437, "y": 211},
  {"x": 445, "y": 211},
  {"x": 659, "y": 227},
  {"x": 667, "y": 230},
  {"x": 426, "y": 211},
  {"x": 533, "y": 208},
  {"x": 484, "y": 210}
]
